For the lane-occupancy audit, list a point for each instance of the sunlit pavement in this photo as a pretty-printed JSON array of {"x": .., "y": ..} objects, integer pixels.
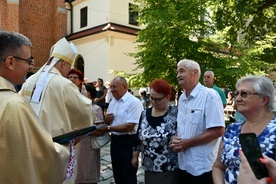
[{"x": 106, "y": 168}]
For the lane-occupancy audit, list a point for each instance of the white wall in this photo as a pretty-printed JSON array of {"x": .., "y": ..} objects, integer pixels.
[
  {"x": 119, "y": 12},
  {"x": 94, "y": 51},
  {"x": 106, "y": 52},
  {"x": 98, "y": 13},
  {"x": 101, "y": 12},
  {"x": 120, "y": 46}
]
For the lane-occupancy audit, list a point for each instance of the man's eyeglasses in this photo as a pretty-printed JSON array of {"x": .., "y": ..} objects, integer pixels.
[
  {"x": 73, "y": 77},
  {"x": 243, "y": 94},
  {"x": 156, "y": 100},
  {"x": 30, "y": 61}
]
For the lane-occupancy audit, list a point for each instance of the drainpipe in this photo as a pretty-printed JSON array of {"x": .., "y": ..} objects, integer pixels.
[{"x": 71, "y": 16}]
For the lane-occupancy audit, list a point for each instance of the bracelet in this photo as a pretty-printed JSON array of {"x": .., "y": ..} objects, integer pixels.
[{"x": 108, "y": 128}]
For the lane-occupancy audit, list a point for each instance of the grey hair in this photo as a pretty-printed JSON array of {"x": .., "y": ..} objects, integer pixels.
[
  {"x": 12, "y": 43},
  {"x": 261, "y": 85},
  {"x": 190, "y": 65},
  {"x": 211, "y": 72},
  {"x": 121, "y": 79}
]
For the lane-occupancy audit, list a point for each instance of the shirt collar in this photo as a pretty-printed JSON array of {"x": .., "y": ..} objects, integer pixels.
[
  {"x": 195, "y": 91},
  {"x": 5, "y": 84},
  {"x": 124, "y": 97}
]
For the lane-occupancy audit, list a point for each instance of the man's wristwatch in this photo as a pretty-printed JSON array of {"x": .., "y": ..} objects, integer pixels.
[
  {"x": 108, "y": 128},
  {"x": 136, "y": 148}
]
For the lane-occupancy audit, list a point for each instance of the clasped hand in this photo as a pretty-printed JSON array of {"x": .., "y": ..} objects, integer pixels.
[
  {"x": 109, "y": 118},
  {"x": 178, "y": 144}
]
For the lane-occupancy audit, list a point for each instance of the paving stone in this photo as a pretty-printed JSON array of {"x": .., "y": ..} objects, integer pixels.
[{"x": 106, "y": 168}]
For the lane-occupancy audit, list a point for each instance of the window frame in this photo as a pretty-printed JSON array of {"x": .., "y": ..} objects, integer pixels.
[{"x": 83, "y": 17}]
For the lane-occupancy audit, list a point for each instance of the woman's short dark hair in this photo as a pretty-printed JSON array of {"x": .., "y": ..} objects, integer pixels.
[
  {"x": 78, "y": 72},
  {"x": 161, "y": 86}
]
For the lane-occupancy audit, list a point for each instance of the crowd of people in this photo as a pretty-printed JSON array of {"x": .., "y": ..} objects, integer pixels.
[{"x": 187, "y": 143}]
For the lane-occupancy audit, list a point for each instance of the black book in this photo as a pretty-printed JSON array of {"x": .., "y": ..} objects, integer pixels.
[{"x": 67, "y": 137}]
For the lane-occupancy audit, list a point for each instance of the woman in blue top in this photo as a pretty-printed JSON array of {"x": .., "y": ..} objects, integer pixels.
[{"x": 254, "y": 98}]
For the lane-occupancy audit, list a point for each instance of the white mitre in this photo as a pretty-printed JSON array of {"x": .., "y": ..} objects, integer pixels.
[{"x": 61, "y": 50}]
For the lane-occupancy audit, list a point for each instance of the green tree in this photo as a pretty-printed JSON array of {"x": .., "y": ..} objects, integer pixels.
[
  {"x": 167, "y": 38},
  {"x": 253, "y": 23},
  {"x": 255, "y": 18},
  {"x": 178, "y": 29}
]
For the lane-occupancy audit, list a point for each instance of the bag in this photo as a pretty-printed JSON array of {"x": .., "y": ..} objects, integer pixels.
[{"x": 98, "y": 142}]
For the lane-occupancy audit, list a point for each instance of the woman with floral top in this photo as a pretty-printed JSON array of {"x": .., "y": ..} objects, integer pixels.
[
  {"x": 157, "y": 125},
  {"x": 254, "y": 98}
]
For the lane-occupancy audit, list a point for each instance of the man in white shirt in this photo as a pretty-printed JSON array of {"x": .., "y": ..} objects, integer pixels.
[
  {"x": 123, "y": 115},
  {"x": 200, "y": 124}
]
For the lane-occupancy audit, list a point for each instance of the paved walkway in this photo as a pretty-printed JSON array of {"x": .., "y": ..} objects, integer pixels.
[{"x": 106, "y": 168}]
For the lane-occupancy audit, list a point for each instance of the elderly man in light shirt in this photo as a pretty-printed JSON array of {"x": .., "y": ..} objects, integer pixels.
[
  {"x": 123, "y": 115},
  {"x": 200, "y": 124}
]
